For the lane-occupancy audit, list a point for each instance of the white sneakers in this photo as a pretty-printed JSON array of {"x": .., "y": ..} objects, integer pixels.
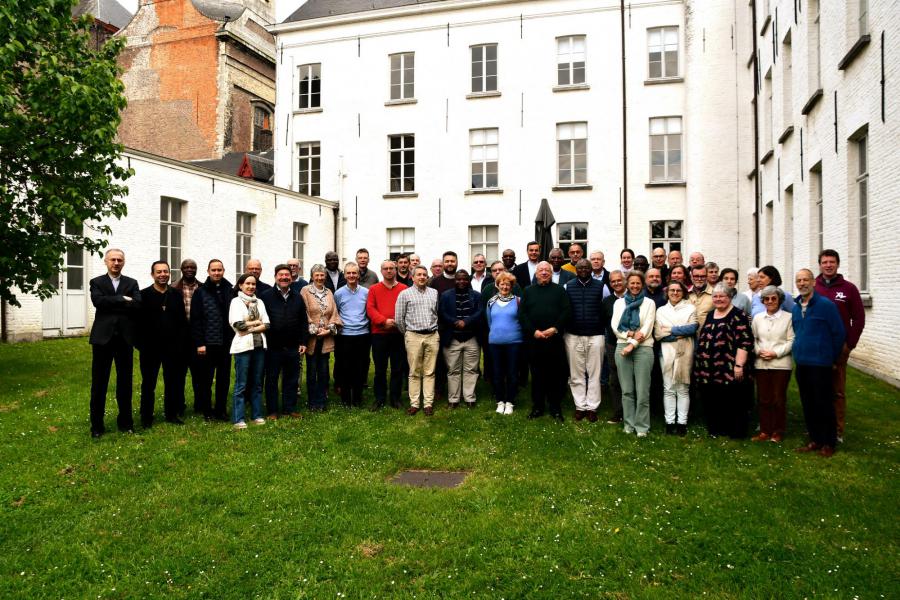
[
  {"x": 259, "y": 421},
  {"x": 504, "y": 408},
  {"x": 240, "y": 425}
]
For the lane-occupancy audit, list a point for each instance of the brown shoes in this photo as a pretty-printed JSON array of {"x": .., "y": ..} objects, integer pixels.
[
  {"x": 810, "y": 447},
  {"x": 826, "y": 452},
  {"x": 776, "y": 437},
  {"x": 760, "y": 437},
  {"x": 412, "y": 410},
  {"x": 273, "y": 417},
  {"x": 296, "y": 415},
  {"x": 579, "y": 414},
  {"x": 429, "y": 410},
  {"x": 592, "y": 416}
]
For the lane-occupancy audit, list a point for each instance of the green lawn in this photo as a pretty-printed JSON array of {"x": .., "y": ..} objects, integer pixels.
[{"x": 302, "y": 509}]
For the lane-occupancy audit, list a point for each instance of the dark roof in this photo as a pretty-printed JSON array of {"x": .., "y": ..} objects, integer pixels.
[
  {"x": 314, "y": 9},
  {"x": 107, "y": 11},
  {"x": 262, "y": 164},
  {"x": 219, "y": 10}
]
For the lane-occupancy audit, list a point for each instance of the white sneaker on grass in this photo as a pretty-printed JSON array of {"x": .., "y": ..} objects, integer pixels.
[
  {"x": 642, "y": 434},
  {"x": 259, "y": 421},
  {"x": 500, "y": 406},
  {"x": 508, "y": 409},
  {"x": 240, "y": 425}
]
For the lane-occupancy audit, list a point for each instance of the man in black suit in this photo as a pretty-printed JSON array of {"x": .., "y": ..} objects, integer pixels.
[
  {"x": 163, "y": 331},
  {"x": 117, "y": 299},
  {"x": 212, "y": 337},
  {"x": 525, "y": 272}
]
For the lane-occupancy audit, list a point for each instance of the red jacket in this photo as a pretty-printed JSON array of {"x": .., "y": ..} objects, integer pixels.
[
  {"x": 380, "y": 305},
  {"x": 846, "y": 297}
]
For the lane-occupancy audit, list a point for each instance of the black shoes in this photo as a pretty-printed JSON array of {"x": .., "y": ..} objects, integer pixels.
[
  {"x": 535, "y": 414},
  {"x": 174, "y": 421}
]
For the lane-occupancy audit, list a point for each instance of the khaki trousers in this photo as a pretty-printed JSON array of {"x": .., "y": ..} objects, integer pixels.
[
  {"x": 462, "y": 370},
  {"x": 421, "y": 353}
]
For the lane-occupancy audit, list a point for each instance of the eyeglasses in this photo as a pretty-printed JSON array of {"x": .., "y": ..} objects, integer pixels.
[
  {"x": 478, "y": 262},
  {"x": 770, "y": 299}
]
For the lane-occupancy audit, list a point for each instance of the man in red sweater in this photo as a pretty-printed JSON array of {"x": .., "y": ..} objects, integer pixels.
[
  {"x": 845, "y": 296},
  {"x": 387, "y": 341}
]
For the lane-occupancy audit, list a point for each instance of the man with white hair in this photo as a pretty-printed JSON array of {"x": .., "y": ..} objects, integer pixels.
[{"x": 751, "y": 283}]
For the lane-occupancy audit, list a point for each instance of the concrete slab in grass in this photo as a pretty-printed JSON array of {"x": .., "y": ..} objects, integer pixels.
[{"x": 427, "y": 479}]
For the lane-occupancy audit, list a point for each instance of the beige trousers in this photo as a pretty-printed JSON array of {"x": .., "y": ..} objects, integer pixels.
[
  {"x": 462, "y": 370},
  {"x": 421, "y": 353}
]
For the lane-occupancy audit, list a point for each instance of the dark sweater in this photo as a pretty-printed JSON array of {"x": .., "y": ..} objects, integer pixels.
[
  {"x": 608, "y": 304},
  {"x": 454, "y": 306},
  {"x": 587, "y": 307},
  {"x": 209, "y": 314},
  {"x": 289, "y": 324},
  {"x": 542, "y": 307},
  {"x": 163, "y": 322},
  {"x": 442, "y": 284}
]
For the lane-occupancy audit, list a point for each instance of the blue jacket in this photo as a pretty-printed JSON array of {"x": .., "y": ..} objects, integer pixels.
[
  {"x": 819, "y": 335},
  {"x": 587, "y": 307},
  {"x": 447, "y": 316}
]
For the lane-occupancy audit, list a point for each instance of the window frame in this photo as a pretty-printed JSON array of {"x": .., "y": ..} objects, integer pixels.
[
  {"x": 167, "y": 251},
  {"x": 312, "y": 97},
  {"x": 258, "y": 129},
  {"x": 571, "y": 154},
  {"x": 484, "y": 77},
  {"x": 487, "y": 246},
  {"x": 403, "y": 70},
  {"x": 485, "y": 149},
  {"x": 298, "y": 244},
  {"x": 405, "y": 245},
  {"x": 243, "y": 245},
  {"x": 862, "y": 204},
  {"x": 667, "y": 240},
  {"x": 570, "y": 70},
  {"x": 664, "y": 74},
  {"x": 667, "y": 149},
  {"x": 309, "y": 180},
  {"x": 403, "y": 164},
  {"x": 565, "y": 242}
]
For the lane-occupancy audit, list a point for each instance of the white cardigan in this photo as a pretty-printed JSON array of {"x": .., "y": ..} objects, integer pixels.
[
  {"x": 647, "y": 313},
  {"x": 677, "y": 356},
  {"x": 238, "y": 311},
  {"x": 775, "y": 334}
]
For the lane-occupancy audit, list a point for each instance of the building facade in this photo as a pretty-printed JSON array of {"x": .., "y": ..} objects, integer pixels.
[
  {"x": 443, "y": 124},
  {"x": 175, "y": 211},
  {"x": 199, "y": 78},
  {"x": 828, "y": 134}
]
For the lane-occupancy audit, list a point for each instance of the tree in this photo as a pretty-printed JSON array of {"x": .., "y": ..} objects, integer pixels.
[{"x": 60, "y": 101}]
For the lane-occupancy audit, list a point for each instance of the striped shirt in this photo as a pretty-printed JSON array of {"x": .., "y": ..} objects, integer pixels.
[{"x": 416, "y": 310}]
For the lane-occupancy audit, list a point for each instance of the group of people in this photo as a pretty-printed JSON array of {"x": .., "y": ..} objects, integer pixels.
[{"x": 647, "y": 329}]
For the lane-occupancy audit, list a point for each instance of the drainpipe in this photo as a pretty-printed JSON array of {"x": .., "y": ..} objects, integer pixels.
[
  {"x": 624, "y": 136},
  {"x": 3, "y": 332},
  {"x": 339, "y": 223},
  {"x": 756, "y": 166}
]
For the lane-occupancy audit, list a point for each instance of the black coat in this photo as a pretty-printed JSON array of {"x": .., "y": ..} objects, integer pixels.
[
  {"x": 115, "y": 315},
  {"x": 209, "y": 314},
  {"x": 587, "y": 307},
  {"x": 330, "y": 284},
  {"x": 523, "y": 278},
  {"x": 289, "y": 325},
  {"x": 163, "y": 322}
]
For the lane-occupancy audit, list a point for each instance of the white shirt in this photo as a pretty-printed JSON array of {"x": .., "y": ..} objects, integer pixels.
[
  {"x": 478, "y": 282},
  {"x": 532, "y": 269},
  {"x": 115, "y": 282}
]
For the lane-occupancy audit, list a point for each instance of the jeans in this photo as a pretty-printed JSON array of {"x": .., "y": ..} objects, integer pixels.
[
  {"x": 386, "y": 348},
  {"x": 634, "y": 377},
  {"x": 505, "y": 364},
  {"x": 317, "y": 378},
  {"x": 284, "y": 361},
  {"x": 248, "y": 374}
]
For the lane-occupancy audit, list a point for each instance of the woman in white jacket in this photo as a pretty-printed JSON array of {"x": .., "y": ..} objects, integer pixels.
[
  {"x": 773, "y": 335},
  {"x": 248, "y": 317},
  {"x": 676, "y": 326},
  {"x": 632, "y": 322}
]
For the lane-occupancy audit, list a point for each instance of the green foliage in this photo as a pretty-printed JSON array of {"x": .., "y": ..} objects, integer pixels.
[
  {"x": 60, "y": 101},
  {"x": 303, "y": 508}
]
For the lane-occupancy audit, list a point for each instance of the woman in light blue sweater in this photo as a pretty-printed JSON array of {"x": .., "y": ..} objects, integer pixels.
[{"x": 504, "y": 342}]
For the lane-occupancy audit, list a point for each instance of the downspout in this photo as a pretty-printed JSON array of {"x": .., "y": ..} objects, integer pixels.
[
  {"x": 3, "y": 331},
  {"x": 756, "y": 166},
  {"x": 624, "y": 136},
  {"x": 339, "y": 223}
]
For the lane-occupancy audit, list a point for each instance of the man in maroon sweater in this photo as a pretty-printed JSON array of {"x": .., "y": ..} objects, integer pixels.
[
  {"x": 845, "y": 296},
  {"x": 387, "y": 341}
]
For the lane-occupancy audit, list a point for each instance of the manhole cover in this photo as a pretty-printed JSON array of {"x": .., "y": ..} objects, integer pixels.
[{"x": 442, "y": 479}]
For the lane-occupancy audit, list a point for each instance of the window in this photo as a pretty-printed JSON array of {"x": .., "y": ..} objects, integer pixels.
[
  {"x": 570, "y": 60},
  {"x": 74, "y": 264},
  {"x": 310, "y": 158},
  {"x": 403, "y": 162},
  {"x": 818, "y": 215},
  {"x": 768, "y": 119},
  {"x": 665, "y": 149},
  {"x": 483, "y": 151},
  {"x": 310, "y": 86},
  {"x": 262, "y": 128},
  {"x": 403, "y": 67},
  {"x": 815, "y": 47},
  {"x": 862, "y": 191},
  {"x": 787, "y": 84},
  {"x": 400, "y": 240},
  {"x": 572, "y": 233},
  {"x": 299, "y": 246},
  {"x": 243, "y": 244},
  {"x": 484, "y": 239},
  {"x": 484, "y": 68},
  {"x": 666, "y": 235},
  {"x": 171, "y": 228},
  {"x": 662, "y": 50},
  {"x": 571, "y": 144}
]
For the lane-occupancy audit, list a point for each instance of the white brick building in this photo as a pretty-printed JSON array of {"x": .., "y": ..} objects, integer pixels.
[{"x": 177, "y": 210}]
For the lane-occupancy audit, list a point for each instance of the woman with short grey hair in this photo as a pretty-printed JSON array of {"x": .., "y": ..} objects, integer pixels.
[
  {"x": 773, "y": 336},
  {"x": 324, "y": 322}
]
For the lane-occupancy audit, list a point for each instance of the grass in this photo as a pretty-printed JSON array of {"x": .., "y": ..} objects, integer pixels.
[{"x": 302, "y": 509}]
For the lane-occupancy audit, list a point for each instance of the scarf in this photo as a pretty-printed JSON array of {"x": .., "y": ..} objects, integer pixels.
[
  {"x": 321, "y": 297},
  {"x": 500, "y": 298},
  {"x": 631, "y": 317}
]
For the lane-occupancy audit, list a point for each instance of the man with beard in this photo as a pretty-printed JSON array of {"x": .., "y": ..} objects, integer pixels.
[
  {"x": 403, "y": 270},
  {"x": 447, "y": 279},
  {"x": 655, "y": 289},
  {"x": 212, "y": 335}
]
